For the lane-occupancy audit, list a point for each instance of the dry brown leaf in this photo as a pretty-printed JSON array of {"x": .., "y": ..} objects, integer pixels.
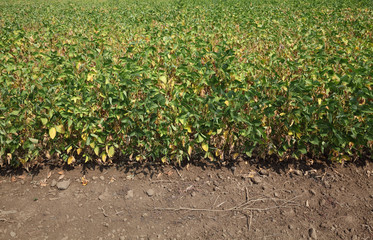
[
  {"x": 61, "y": 172},
  {"x": 22, "y": 177},
  {"x": 49, "y": 175},
  {"x": 43, "y": 182},
  {"x": 60, "y": 177},
  {"x": 13, "y": 179}
]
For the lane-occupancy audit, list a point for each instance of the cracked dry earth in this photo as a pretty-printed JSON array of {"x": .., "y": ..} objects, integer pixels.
[{"x": 247, "y": 201}]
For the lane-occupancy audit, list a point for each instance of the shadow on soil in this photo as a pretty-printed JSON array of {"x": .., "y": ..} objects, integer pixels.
[{"x": 125, "y": 165}]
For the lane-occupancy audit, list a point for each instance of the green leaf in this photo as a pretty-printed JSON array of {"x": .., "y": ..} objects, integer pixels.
[
  {"x": 44, "y": 121},
  {"x": 33, "y": 140}
]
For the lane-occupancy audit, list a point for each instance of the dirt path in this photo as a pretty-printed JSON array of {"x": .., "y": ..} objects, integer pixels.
[{"x": 243, "y": 202}]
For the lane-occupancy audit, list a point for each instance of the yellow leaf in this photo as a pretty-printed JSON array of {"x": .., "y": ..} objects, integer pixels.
[
  {"x": 235, "y": 155},
  {"x": 86, "y": 159},
  {"x": 190, "y": 149},
  {"x": 97, "y": 150},
  {"x": 205, "y": 147},
  {"x": 164, "y": 159},
  {"x": 70, "y": 160},
  {"x": 111, "y": 151},
  {"x": 78, "y": 151},
  {"x": 163, "y": 79},
  {"x": 84, "y": 181},
  {"x": 319, "y": 101},
  {"x": 52, "y": 132},
  {"x": 226, "y": 102},
  {"x": 189, "y": 128},
  {"x": 84, "y": 136},
  {"x": 92, "y": 144},
  {"x": 78, "y": 65},
  {"x": 90, "y": 77},
  {"x": 225, "y": 134},
  {"x": 282, "y": 114},
  {"x": 60, "y": 129},
  {"x": 103, "y": 157},
  {"x": 69, "y": 149}
]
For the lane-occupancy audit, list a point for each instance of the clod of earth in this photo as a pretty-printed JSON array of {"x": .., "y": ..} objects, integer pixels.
[
  {"x": 256, "y": 179},
  {"x": 54, "y": 183},
  {"x": 129, "y": 194},
  {"x": 63, "y": 185}
]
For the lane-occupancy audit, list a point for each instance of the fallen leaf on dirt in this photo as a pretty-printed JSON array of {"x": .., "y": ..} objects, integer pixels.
[
  {"x": 49, "y": 175},
  {"x": 84, "y": 181},
  {"x": 43, "y": 182},
  {"x": 159, "y": 175},
  {"x": 112, "y": 180},
  {"x": 130, "y": 177},
  {"x": 252, "y": 174},
  {"x": 22, "y": 177},
  {"x": 13, "y": 179},
  {"x": 60, "y": 177},
  {"x": 61, "y": 172},
  {"x": 169, "y": 173}
]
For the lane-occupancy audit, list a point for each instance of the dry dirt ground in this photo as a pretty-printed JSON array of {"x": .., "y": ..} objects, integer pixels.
[{"x": 245, "y": 201}]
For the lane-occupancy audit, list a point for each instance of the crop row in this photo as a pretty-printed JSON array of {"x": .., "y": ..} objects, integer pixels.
[{"x": 175, "y": 80}]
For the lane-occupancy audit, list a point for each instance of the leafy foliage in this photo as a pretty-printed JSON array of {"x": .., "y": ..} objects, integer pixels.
[{"x": 169, "y": 80}]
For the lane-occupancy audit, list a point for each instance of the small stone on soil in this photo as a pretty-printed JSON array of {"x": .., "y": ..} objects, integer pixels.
[
  {"x": 54, "y": 183},
  {"x": 13, "y": 234},
  {"x": 63, "y": 185},
  {"x": 256, "y": 179},
  {"x": 150, "y": 192},
  {"x": 264, "y": 172},
  {"x": 312, "y": 233},
  {"x": 102, "y": 178}
]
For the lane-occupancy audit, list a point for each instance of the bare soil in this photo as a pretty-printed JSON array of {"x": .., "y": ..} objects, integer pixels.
[{"x": 245, "y": 201}]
